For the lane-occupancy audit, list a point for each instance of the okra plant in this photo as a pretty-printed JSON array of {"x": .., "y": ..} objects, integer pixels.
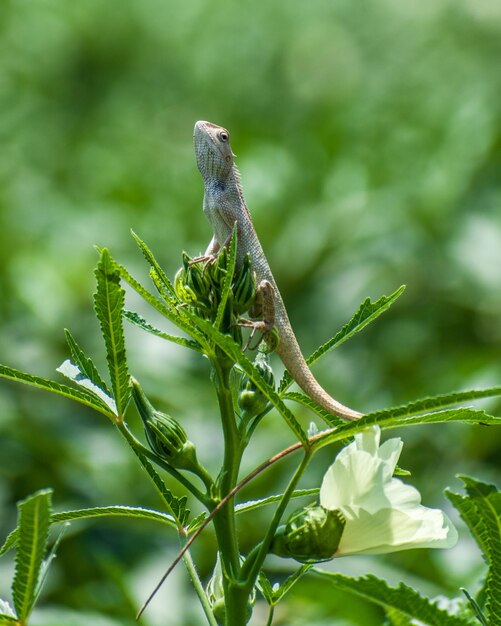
[{"x": 361, "y": 506}]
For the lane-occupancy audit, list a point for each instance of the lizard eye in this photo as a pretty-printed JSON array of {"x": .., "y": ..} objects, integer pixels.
[{"x": 223, "y": 136}]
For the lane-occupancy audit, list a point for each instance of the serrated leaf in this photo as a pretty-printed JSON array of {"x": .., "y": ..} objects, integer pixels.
[
  {"x": 389, "y": 419},
  {"x": 302, "y": 398},
  {"x": 233, "y": 350},
  {"x": 230, "y": 271},
  {"x": 84, "y": 363},
  {"x": 176, "y": 316},
  {"x": 131, "y": 512},
  {"x": 33, "y": 524},
  {"x": 7, "y": 611},
  {"x": 140, "y": 322},
  {"x": 264, "y": 586},
  {"x": 396, "y": 618},
  {"x": 481, "y": 511},
  {"x": 367, "y": 313},
  {"x": 196, "y": 522},
  {"x": 176, "y": 506},
  {"x": 401, "y": 598},
  {"x": 108, "y": 303},
  {"x": 148, "y": 255},
  {"x": 84, "y": 397},
  {"x": 252, "y": 505},
  {"x": 288, "y": 583},
  {"x": 71, "y": 371}
]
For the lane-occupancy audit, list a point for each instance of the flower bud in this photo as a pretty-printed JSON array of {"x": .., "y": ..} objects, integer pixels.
[
  {"x": 215, "y": 594},
  {"x": 311, "y": 534},
  {"x": 165, "y": 436},
  {"x": 251, "y": 400},
  {"x": 244, "y": 287}
]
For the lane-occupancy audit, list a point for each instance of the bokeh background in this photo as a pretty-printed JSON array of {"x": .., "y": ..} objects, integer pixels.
[{"x": 368, "y": 135}]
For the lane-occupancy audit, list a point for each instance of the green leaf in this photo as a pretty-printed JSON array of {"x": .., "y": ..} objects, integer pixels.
[
  {"x": 477, "y": 611},
  {"x": 131, "y": 512},
  {"x": 424, "y": 405},
  {"x": 288, "y": 583},
  {"x": 140, "y": 322},
  {"x": 265, "y": 587},
  {"x": 481, "y": 511},
  {"x": 148, "y": 255},
  {"x": 396, "y": 618},
  {"x": 302, "y": 398},
  {"x": 85, "y": 364},
  {"x": 71, "y": 371},
  {"x": 367, "y": 313},
  {"x": 251, "y": 505},
  {"x": 7, "y": 613},
  {"x": 108, "y": 304},
  {"x": 84, "y": 397},
  {"x": 177, "y": 316},
  {"x": 177, "y": 506},
  {"x": 234, "y": 352},
  {"x": 8, "y": 620},
  {"x": 34, "y": 521},
  {"x": 230, "y": 271},
  {"x": 389, "y": 419},
  {"x": 401, "y": 598}
]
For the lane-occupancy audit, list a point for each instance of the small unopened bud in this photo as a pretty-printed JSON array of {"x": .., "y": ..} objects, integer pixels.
[
  {"x": 244, "y": 287},
  {"x": 251, "y": 400},
  {"x": 215, "y": 594},
  {"x": 166, "y": 437},
  {"x": 311, "y": 534}
]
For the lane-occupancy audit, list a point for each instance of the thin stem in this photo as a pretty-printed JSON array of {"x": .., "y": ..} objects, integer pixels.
[
  {"x": 224, "y": 523},
  {"x": 251, "y": 567},
  {"x": 138, "y": 446},
  {"x": 197, "y": 583},
  {"x": 270, "y": 615}
]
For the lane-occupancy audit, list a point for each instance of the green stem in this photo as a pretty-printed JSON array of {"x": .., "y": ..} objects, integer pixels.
[
  {"x": 253, "y": 563},
  {"x": 224, "y": 522},
  {"x": 270, "y": 615},
  {"x": 138, "y": 446},
  {"x": 197, "y": 583},
  {"x": 236, "y": 596}
]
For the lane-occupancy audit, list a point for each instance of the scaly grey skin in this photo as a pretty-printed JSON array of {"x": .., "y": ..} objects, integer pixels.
[{"x": 224, "y": 205}]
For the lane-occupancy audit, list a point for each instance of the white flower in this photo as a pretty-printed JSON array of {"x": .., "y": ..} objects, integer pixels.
[{"x": 382, "y": 513}]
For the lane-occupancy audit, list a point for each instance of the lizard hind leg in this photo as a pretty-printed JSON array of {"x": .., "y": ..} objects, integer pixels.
[{"x": 263, "y": 308}]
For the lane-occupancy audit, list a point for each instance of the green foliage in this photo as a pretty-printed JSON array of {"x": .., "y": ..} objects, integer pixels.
[
  {"x": 367, "y": 313},
  {"x": 481, "y": 511},
  {"x": 33, "y": 525},
  {"x": 402, "y": 598},
  {"x": 84, "y": 397},
  {"x": 109, "y": 303}
]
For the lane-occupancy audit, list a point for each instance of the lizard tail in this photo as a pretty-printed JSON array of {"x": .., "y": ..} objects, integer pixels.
[{"x": 290, "y": 353}]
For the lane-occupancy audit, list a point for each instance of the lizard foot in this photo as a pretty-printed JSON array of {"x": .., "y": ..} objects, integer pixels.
[{"x": 266, "y": 329}]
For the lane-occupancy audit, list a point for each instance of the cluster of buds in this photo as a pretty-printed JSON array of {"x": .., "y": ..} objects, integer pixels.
[
  {"x": 200, "y": 285},
  {"x": 165, "y": 436},
  {"x": 311, "y": 534}
]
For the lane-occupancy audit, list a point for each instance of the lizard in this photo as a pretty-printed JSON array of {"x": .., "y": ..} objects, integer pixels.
[{"x": 224, "y": 205}]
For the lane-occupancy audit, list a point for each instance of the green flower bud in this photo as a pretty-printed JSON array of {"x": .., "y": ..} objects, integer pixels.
[
  {"x": 215, "y": 594},
  {"x": 311, "y": 534},
  {"x": 251, "y": 400},
  {"x": 184, "y": 292},
  {"x": 244, "y": 287},
  {"x": 165, "y": 436}
]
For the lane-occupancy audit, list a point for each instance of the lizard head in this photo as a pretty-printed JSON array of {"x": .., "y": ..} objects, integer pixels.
[{"x": 213, "y": 150}]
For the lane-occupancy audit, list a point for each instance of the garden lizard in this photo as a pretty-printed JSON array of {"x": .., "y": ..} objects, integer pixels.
[{"x": 224, "y": 205}]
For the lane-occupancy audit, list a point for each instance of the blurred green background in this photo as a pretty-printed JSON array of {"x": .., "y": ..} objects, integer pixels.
[{"x": 368, "y": 136}]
